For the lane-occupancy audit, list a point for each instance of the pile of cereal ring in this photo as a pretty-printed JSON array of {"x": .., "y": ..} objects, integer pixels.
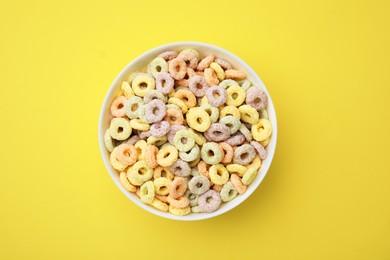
[{"x": 188, "y": 132}]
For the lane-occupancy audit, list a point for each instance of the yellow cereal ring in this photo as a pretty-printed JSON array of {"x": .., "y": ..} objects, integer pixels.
[
  {"x": 117, "y": 165},
  {"x": 256, "y": 163},
  {"x": 235, "y": 96},
  {"x": 238, "y": 169},
  {"x": 131, "y": 77},
  {"x": 142, "y": 83},
  {"x": 127, "y": 90},
  {"x": 157, "y": 141},
  {"x": 262, "y": 130},
  {"x": 163, "y": 172},
  {"x": 108, "y": 142},
  {"x": 186, "y": 96},
  {"x": 125, "y": 182},
  {"x": 198, "y": 119},
  {"x": 147, "y": 192},
  {"x": 162, "y": 186},
  {"x": 167, "y": 155},
  {"x": 265, "y": 142},
  {"x": 178, "y": 102},
  {"x": 249, "y": 114},
  {"x": 179, "y": 212},
  {"x": 218, "y": 70},
  {"x": 140, "y": 172},
  {"x": 230, "y": 111},
  {"x": 235, "y": 74},
  {"x": 249, "y": 176},
  {"x": 218, "y": 174},
  {"x": 199, "y": 138},
  {"x": 120, "y": 129},
  {"x": 159, "y": 205},
  {"x": 264, "y": 114},
  {"x": 204, "y": 100},
  {"x": 138, "y": 124},
  {"x": 140, "y": 146}
]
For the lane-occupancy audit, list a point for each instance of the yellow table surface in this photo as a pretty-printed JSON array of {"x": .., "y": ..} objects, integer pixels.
[{"x": 326, "y": 65}]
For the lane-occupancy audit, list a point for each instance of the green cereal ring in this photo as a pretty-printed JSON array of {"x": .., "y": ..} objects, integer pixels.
[
  {"x": 190, "y": 155},
  {"x": 228, "y": 192},
  {"x": 108, "y": 141},
  {"x": 193, "y": 198},
  {"x": 120, "y": 129},
  {"x": 246, "y": 84},
  {"x": 218, "y": 174},
  {"x": 233, "y": 123},
  {"x": 139, "y": 173},
  {"x": 212, "y": 111},
  {"x": 249, "y": 176},
  {"x": 246, "y": 132},
  {"x": 156, "y": 66},
  {"x": 162, "y": 186},
  {"x": 196, "y": 209},
  {"x": 184, "y": 140},
  {"x": 228, "y": 83},
  {"x": 199, "y": 184},
  {"x": 264, "y": 114},
  {"x": 211, "y": 153},
  {"x": 147, "y": 192},
  {"x": 132, "y": 107}
]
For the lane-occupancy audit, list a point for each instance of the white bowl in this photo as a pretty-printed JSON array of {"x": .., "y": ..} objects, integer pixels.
[{"x": 140, "y": 62}]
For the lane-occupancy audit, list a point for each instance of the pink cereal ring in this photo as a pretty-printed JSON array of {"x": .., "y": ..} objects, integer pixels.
[
  {"x": 168, "y": 55},
  {"x": 256, "y": 98},
  {"x": 224, "y": 64},
  {"x": 216, "y": 96},
  {"x": 217, "y": 132},
  {"x": 177, "y": 68},
  {"x": 190, "y": 58},
  {"x": 209, "y": 201},
  {"x": 160, "y": 129},
  {"x": 259, "y": 149},
  {"x": 126, "y": 154},
  {"x": 151, "y": 152},
  {"x": 198, "y": 85},
  {"x": 164, "y": 83},
  {"x": 228, "y": 151},
  {"x": 155, "y": 111},
  {"x": 205, "y": 63},
  {"x": 236, "y": 139},
  {"x": 118, "y": 107},
  {"x": 211, "y": 77},
  {"x": 178, "y": 187},
  {"x": 180, "y": 202},
  {"x": 174, "y": 116}
]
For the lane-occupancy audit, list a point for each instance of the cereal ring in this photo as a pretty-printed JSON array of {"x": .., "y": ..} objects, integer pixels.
[
  {"x": 184, "y": 140},
  {"x": 131, "y": 77},
  {"x": 263, "y": 114},
  {"x": 177, "y": 68},
  {"x": 228, "y": 152},
  {"x": 159, "y": 205},
  {"x": 115, "y": 163},
  {"x": 144, "y": 134},
  {"x": 178, "y": 187},
  {"x": 259, "y": 149},
  {"x": 216, "y": 96},
  {"x": 142, "y": 83},
  {"x": 230, "y": 111},
  {"x": 127, "y": 90},
  {"x": 217, "y": 187},
  {"x": 154, "y": 94},
  {"x": 202, "y": 168},
  {"x": 157, "y": 141},
  {"x": 120, "y": 128},
  {"x": 245, "y": 132},
  {"x": 180, "y": 202},
  {"x": 249, "y": 176},
  {"x": 198, "y": 119},
  {"x": 211, "y": 77},
  {"x": 125, "y": 182},
  {"x": 198, "y": 85},
  {"x": 217, "y": 132},
  {"x": 140, "y": 147},
  {"x": 235, "y": 96},
  {"x": 160, "y": 129},
  {"x": 256, "y": 98},
  {"x": 178, "y": 102},
  {"x": 161, "y": 198},
  {"x": 151, "y": 152},
  {"x": 174, "y": 116},
  {"x": 162, "y": 186},
  {"x": 163, "y": 172},
  {"x": 199, "y": 185},
  {"x": 209, "y": 201},
  {"x": 249, "y": 114},
  {"x": 157, "y": 66},
  {"x": 167, "y": 155},
  {"x": 233, "y": 123},
  {"x": 171, "y": 134},
  {"x": 190, "y": 155},
  {"x": 126, "y": 154},
  {"x": 132, "y": 140},
  {"x": 265, "y": 142},
  {"x": 187, "y": 97},
  {"x": 245, "y": 85},
  {"x": 218, "y": 70},
  {"x": 256, "y": 163},
  {"x": 138, "y": 124},
  {"x": 212, "y": 111},
  {"x": 237, "y": 183},
  {"x": 211, "y": 153},
  {"x": 193, "y": 198},
  {"x": 199, "y": 138},
  {"x": 108, "y": 141},
  {"x": 228, "y": 192},
  {"x": 237, "y": 169},
  {"x": 196, "y": 209},
  {"x": 218, "y": 174},
  {"x": 179, "y": 212},
  {"x": 132, "y": 107},
  {"x": 168, "y": 55},
  {"x": 190, "y": 56},
  {"x": 235, "y": 74},
  {"x": 244, "y": 154},
  {"x": 117, "y": 107},
  {"x": 182, "y": 82},
  {"x": 155, "y": 111},
  {"x": 205, "y": 62},
  {"x": 261, "y": 131},
  {"x": 227, "y": 83},
  {"x": 139, "y": 173},
  {"x": 194, "y": 162},
  {"x": 180, "y": 168},
  {"x": 235, "y": 140},
  {"x": 147, "y": 192},
  {"x": 224, "y": 64},
  {"x": 164, "y": 83}
]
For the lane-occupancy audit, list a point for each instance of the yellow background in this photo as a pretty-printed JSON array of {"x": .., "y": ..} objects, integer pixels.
[{"x": 326, "y": 65}]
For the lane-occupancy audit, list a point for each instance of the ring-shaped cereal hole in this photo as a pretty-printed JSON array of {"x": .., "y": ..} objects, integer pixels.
[
  {"x": 126, "y": 154},
  {"x": 184, "y": 140},
  {"x": 211, "y": 153},
  {"x": 178, "y": 187},
  {"x": 244, "y": 154},
  {"x": 205, "y": 62},
  {"x": 235, "y": 96},
  {"x": 120, "y": 129},
  {"x": 187, "y": 97},
  {"x": 160, "y": 129},
  {"x": 132, "y": 107},
  {"x": 256, "y": 98},
  {"x": 231, "y": 122},
  {"x": 177, "y": 68},
  {"x": 117, "y": 107},
  {"x": 224, "y": 64},
  {"x": 198, "y": 85},
  {"x": 190, "y": 155},
  {"x": 167, "y": 155},
  {"x": 180, "y": 168},
  {"x": 217, "y": 132},
  {"x": 211, "y": 77},
  {"x": 164, "y": 83},
  {"x": 198, "y": 119},
  {"x": 259, "y": 149},
  {"x": 143, "y": 83},
  {"x": 216, "y": 96},
  {"x": 155, "y": 111},
  {"x": 157, "y": 66},
  {"x": 262, "y": 130},
  {"x": 228, "y": 192},
  {"x": 209, "y": 201},
  {"x": 199, "y": 185}
]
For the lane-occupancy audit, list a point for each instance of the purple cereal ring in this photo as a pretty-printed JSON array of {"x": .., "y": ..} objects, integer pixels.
[
  {"x": 160, "y": 129},
  {"x": 144, "y": 134},
  {"x": 168, "y": 55},
  {"x": 172, "y": 132},
  {"x": 256, "y": 98},
  {"x": 224, "y": 64},
  {"x": 244, "y": 154},
  {"x": 155, "y": 111},
  {"x": 198, "y": 85},
  {"x": 154, "y": 94},
  {"x": 216, "y": 96},
  {"x": 217, "y": 132},
  {"x": 132, "y": 140},
  {"x": 209, "y": 201},
  {"x": 180, "y": 168},
  {"x": 236, "y": 139},
  {"x": 164, "y": 83},
  {"x": 259, "y": 149}
]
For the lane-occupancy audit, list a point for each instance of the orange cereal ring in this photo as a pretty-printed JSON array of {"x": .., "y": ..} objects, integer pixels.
[
  {"x": 151, "y": 152},
  {"x": 203, "y": 169},
  {"x": 163, "y": 172},
  {"x": 178, "y": 187},
  {"x": 205, "y": 63},
  {"x": 117, "y": 107},
  {"x": 211, "y": 77},
  {"x": 217, "y": 187},
  {"x": 187, "y": 97},
  {"x": 228, "y": 152},
  {"x": 235, "y": 74},
  {"x": 237, "y": 183},
  {"x": 180, "y": 202},
  {"x": 181, "y": 83},
  {"x": 174, "y": 116},
  {"x": 126, "y": 154},
  {"x": 190, "y": 56},
  {"x": 161, "y": 198},
  {"x": 177, "y": 68}
]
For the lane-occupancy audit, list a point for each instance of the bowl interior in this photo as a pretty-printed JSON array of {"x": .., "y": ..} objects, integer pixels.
[{"x": 141, "y": 62}]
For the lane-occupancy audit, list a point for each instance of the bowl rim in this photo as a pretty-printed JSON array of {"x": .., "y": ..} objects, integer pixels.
[{"x": 106, "y": 104}]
